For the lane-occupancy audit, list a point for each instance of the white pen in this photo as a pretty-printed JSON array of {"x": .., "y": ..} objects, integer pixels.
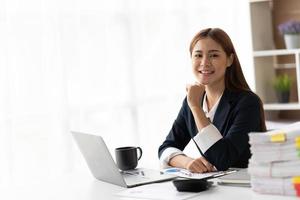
[
  {"x": 231, "y": 171},
  {"x": 225, "y": 173}
]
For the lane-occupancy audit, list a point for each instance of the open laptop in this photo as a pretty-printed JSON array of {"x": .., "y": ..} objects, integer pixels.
[{"x": 103, "y": 167}]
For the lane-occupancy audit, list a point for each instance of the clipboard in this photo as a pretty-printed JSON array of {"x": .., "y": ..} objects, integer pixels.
[{"x": 180, "y": 172}]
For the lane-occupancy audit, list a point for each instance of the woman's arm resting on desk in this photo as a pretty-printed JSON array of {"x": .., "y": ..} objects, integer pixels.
[
  {"x": 198, "y": 165},
  {"x": 176, "y": 158}
]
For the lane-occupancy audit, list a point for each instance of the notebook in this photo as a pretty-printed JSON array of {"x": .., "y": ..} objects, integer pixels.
[{"x": 239, "y": 178}]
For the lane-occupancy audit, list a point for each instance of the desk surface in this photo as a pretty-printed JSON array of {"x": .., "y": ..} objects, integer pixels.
[{"x": 83, "y": 186}]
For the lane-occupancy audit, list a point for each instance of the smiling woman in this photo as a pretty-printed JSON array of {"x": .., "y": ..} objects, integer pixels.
[
  {"x": 216, "y": 111},
  {"x": 210, "y": 62}
]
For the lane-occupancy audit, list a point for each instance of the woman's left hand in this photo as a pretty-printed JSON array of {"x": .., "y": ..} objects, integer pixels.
[{"x": 194, "y": 94}]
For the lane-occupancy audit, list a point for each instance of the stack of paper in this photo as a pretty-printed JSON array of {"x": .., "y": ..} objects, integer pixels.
[{"x": 275, "y": 163}]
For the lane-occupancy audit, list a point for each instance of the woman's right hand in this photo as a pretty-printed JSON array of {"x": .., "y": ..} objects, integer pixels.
[
  {"x": 199, "y": 165},
  {"x": 194, "y": 94}
]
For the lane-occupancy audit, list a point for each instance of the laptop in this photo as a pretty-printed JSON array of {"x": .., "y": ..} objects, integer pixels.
[{"x": 103, "y": 167}]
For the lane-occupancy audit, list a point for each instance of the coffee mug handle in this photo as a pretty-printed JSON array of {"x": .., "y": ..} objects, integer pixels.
[{"x": 141, "y": 152}]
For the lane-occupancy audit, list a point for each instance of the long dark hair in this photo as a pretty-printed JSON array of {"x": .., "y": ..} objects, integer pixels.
[{"x": 234, "y": 77}]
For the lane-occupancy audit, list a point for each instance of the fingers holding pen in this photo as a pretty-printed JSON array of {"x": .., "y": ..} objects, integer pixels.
[
  {"x": 207, "y": 164},
  {"x": 199, "y": 166}
]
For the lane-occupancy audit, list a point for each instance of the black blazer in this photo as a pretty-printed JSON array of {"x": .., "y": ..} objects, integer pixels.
[{"x": 238, "y": 113}]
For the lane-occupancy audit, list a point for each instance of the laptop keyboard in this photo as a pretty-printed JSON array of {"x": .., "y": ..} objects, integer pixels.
[{"x": 135, "y": 175}]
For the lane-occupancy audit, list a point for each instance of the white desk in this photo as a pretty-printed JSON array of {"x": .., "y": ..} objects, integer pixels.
[{"x": 83, "y": 186}]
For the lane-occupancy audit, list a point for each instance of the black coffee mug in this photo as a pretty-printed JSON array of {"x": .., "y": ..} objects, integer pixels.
[{"x": 127, "y": 157}]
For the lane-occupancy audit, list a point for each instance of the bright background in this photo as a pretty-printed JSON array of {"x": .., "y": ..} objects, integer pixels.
[{"x": 117, "y": 68}]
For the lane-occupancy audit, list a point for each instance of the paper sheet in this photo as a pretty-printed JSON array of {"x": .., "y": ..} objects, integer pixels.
[{"x": 162, "y": 191}]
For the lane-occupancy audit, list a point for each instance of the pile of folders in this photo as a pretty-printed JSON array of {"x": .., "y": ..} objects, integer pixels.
[{"x": 275, "y": 163}]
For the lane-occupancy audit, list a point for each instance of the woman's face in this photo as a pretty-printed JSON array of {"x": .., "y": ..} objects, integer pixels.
[{"x": 209, "y": 62}]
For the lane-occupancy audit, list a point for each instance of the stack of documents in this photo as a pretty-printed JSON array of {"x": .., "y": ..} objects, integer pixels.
[{"x": 275, "y": 163}]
